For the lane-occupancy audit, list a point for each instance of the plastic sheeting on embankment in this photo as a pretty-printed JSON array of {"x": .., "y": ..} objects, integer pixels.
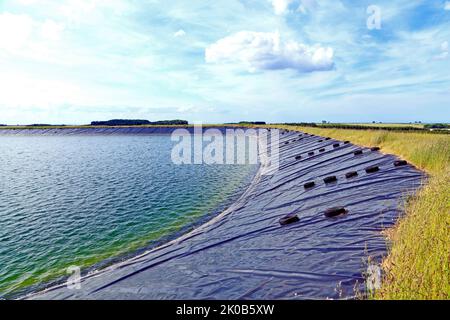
[
  {"x": 245, "y": 253},
  {"x": 101, "y": 131}
]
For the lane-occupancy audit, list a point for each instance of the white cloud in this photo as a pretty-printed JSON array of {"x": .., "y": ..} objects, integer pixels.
[
  {"x": 180, "y": 33},
  {"x": 51, "y": 30},
  {"x": 19, "y": 31},
  {"x": 14, "y": 30},
  {"x": 444, "y": 51},
  {"x": 144, "y": 62},
  {"x": 78, "y": 11},
  {"x": 307, "y": 5},
  {"x": 267, "y": 51},
  {"x": 22, "y": 90},
  {"x": 26, "y": 2},
  {"x": 447, "y": 5},
  {"x": 281, "y": 6},
  {"x": 442, "y": 56}
]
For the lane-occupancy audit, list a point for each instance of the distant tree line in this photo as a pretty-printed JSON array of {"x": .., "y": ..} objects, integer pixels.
[
  {"x": 125, "y": 122},
  {"x": 253, "y": 122}
]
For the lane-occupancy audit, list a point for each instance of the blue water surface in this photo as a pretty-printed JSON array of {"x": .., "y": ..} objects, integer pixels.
[{"x": 91, "y": 200}]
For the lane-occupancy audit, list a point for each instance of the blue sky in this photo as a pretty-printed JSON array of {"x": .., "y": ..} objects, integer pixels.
[{"x": 74, "y": 61}]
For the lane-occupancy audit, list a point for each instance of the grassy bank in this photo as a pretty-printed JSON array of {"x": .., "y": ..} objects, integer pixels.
[
  {"x": 46, "y": 127},
  {"x": 418, "y": 264}
]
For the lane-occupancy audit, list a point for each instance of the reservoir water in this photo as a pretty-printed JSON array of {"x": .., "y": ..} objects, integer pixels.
[{"x": 91, "y": 200}]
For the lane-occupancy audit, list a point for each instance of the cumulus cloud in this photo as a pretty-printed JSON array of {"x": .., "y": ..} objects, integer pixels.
[
  {"x": 180, "y": 33},
  {"x": 281, "y": 6},
  {"x": 14, "y": 30},
  {"x": 76, "y": 12},
  {"x": 444, "y": 51},
  {"x": 267, "y": 51},
  {"x": 18, "y": 31},
  {"x": 51, "y": 30}
]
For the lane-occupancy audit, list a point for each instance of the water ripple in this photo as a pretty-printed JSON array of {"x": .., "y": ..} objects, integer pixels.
[{"x": 80, "y": 200}]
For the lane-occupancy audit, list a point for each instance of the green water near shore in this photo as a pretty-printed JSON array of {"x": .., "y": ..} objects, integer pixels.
[{"x": 88, "y": 201}]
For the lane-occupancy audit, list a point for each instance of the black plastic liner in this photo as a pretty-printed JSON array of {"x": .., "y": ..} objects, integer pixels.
[
  {"x": 103, "y": 131},
  {"x": 246, "y": 253}
]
